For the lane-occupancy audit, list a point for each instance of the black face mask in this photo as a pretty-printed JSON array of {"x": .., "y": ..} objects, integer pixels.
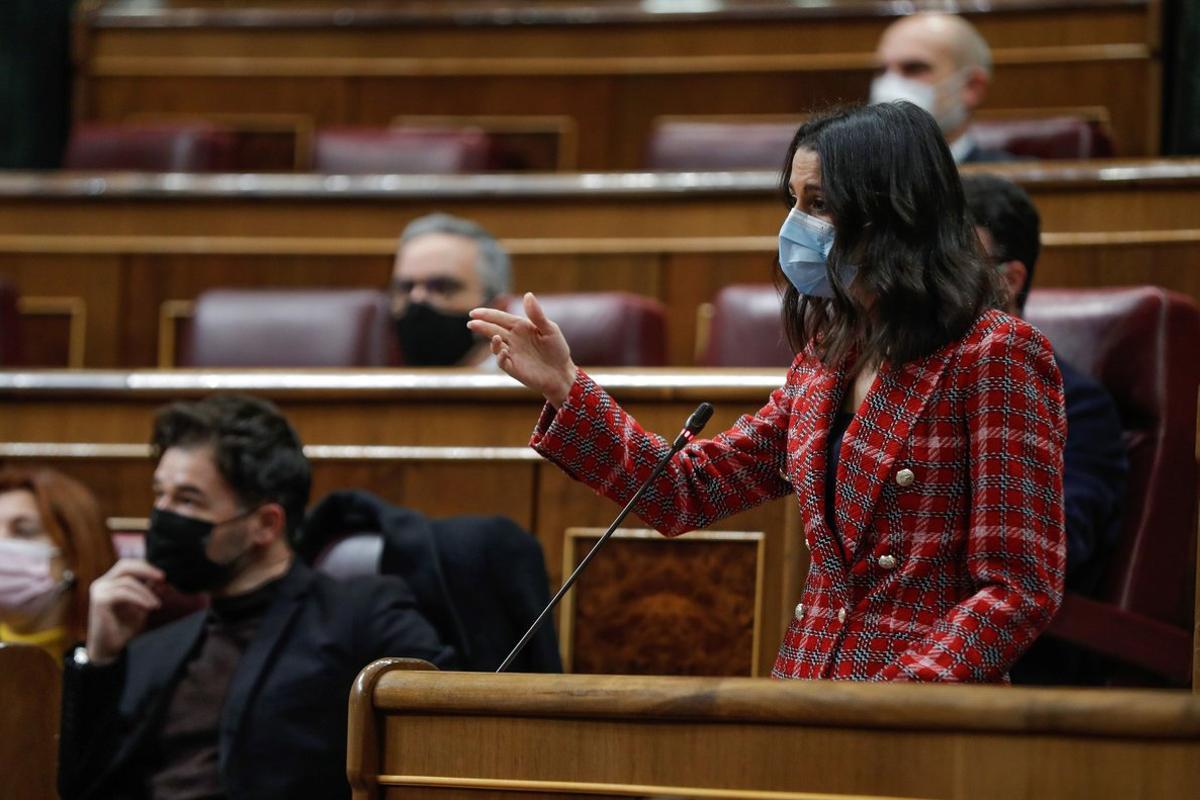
[
  {"x": 175, "y": 544},
  {"x": 432, "y": 338}
]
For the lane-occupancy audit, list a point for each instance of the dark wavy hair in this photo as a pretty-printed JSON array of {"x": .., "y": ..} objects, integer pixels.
[
  {"x": 256, "y": 450},
  {"x": 893, "y": 190}
]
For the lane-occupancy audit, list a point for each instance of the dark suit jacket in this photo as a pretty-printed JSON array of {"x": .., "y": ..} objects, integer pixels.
[
  {"x": 283, "y": 727},
  {"x": 480, "y": 580},
  {"x": 1095, "y": 469}
]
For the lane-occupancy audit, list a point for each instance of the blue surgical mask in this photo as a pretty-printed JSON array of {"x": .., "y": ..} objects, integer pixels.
[{"x": 804, "y": 245}]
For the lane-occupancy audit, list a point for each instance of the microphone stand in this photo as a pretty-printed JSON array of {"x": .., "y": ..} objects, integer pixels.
[{"x": 695, "y": 424}]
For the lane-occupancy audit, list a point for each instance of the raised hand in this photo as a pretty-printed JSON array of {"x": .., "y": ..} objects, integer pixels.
[
  {"x": 531, "y": 350},
  {"x": 121, "y": 599}
]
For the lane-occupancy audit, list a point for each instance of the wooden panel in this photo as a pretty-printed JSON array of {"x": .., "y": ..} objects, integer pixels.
[
  {"x": 29, "y": 694},
  {"x": 677, "y": 238},
  {"x": 610, "y": 70},
  {"x": 578, "y": 735},
  {"x": 447, "y": 481},
  {"x": 647, "y": 605}
]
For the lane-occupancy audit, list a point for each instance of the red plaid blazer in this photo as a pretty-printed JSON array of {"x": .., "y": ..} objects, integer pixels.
[{"x": 949, "y": 552}]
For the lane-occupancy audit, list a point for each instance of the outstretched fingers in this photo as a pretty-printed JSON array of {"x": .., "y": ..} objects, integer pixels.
[
  {"x": 533, "y": 310},
  {"x": 488, "y": 330}
]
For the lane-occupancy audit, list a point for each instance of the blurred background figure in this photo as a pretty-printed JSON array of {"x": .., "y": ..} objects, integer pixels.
[
  {"x": 445, "y": 267},
  {"x": 53, "y": 544},
  {"x": 940, "y": 63},
  {"x": 1094, "y": 460}
]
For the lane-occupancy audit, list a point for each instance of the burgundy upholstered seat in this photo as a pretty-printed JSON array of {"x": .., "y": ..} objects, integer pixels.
[
  {"x": 359, "y": 151},
  {"x": 714, "y": 146},
  {"x": 185, "y": 147},
  {"x": 608, "y": 329},
  {"x": 10, "y": 325},
  {"x": 1048, "y": 138},
  {"x": 745, "y": 330},
  {"x": 1141, "y": 344},
  {"x": 289, "y": 328}
]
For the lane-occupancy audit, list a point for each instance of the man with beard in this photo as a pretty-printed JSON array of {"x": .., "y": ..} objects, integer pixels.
[{"x": 246, "y": 698}]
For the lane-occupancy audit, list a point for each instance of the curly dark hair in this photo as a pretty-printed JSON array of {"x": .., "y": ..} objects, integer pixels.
[
  {"x": 893, "y": 191},
  {"x": 255, "y": 448}
]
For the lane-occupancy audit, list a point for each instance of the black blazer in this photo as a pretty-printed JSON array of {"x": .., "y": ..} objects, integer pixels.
[
  {"x": 283, "y": 727},
  {"x": 480, "y": 580}
]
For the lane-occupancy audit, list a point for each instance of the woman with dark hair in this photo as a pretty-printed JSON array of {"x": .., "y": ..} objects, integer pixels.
[
  {"x": 53, "y": 544},
  {"x": 920, "y": 428}
]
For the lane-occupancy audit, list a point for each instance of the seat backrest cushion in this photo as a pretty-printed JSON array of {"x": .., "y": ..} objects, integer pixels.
[
  {"x": 190, "y": 147},
  {"x": 746, "y": 329},
  {"x": 608, "y": 329},
  {"x": 289, "y": 328},
  {"x": 1140, "y": 344},
  {"x": 1049, "y": 138},
  {"x": 433, "y": 151},
  {"x": 707, "y": 146}
]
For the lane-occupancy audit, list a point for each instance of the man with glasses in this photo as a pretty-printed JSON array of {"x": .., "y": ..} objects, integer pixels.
[{"x": 445, "y": 266}]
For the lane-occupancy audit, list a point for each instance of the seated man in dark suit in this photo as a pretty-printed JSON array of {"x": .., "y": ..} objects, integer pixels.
[
  {"x": 1094, "y": 460},
  {"x": 247, "y": 698}
]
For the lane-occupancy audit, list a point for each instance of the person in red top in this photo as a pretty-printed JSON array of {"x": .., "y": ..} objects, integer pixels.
[{"x": 920, "y": 428}]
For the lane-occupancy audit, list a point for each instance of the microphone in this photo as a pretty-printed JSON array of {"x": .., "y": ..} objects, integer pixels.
[{"x": 695, "y": 423}]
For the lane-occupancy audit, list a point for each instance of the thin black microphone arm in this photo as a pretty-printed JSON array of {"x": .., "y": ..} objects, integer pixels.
[{"x": 693, "y": 426}]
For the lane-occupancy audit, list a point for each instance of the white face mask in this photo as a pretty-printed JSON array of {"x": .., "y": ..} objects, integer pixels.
[
  {"x": 950, "y": 112},
  {"x": 27, "y": 584}
]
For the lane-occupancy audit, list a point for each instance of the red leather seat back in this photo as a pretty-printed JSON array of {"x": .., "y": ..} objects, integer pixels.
[
  {"x": 1049, "y": 138},
  {"x": 746, "y": 329},
  {"x": 608, "y": 329},
  {"x": 714, "y": 146},
  {"x": 289, "y": 328},
  {"x": 191, "y": 147},
  {"x": 1141, "y": 344},
  {"x": 359, "y": 151},
  {"x": 10, "y": 325}
]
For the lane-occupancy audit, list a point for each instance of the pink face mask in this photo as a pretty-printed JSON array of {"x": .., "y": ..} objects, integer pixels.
[{"x": 27, "y": 585}]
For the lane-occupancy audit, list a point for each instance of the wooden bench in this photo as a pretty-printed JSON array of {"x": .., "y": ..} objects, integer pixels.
[
  {"x": 604, "y": 70},
  {"x": 30, "y": 686},
  {"x": 574, "y": 736},
  {"x": 106, "y": 261},
  {"x": 443, "y": 444}
]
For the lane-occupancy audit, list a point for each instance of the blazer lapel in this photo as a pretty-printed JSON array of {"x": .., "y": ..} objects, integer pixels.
[
  {"x": 811, "y": 434},
  {"x": 149, "y": 677},
  {"x": 249, "y": 672},
  {"x": 874, "y": 440}
]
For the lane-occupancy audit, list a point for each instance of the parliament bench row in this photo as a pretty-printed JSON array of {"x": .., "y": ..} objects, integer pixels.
[
  {"x": 103, "y": 260},
  {"x": 1139, "y": 342},
  {"x": 600, "y": 75},
  {"x": 485, "y": 146}
]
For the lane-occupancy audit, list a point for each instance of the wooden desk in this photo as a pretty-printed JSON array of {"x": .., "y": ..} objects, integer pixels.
[
  {"x": 30, "y": 686},
  {"x": 440, "y": 735},
  {"x": 605, "y": 69},
  {"x": 116, "y": 252}
]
